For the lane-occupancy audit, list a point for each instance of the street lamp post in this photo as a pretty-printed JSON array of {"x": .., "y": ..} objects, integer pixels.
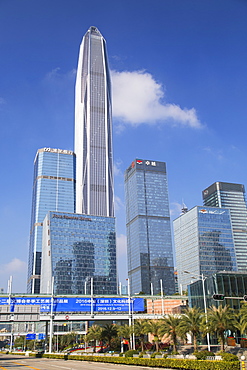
[
  {"x": 203, "y": 278},
  {"x": 51, "y": 315},
  {"x": 11, "y": 316},
  {"x": 162, "y": 297}
]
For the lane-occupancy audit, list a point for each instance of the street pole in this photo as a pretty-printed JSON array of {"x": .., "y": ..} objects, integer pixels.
[
  {"x": 205, "y": 308},
  {"x": 91, "y": 297},
  {"x": 10, "y": 315},
  {"x": 51, "y": 315},
  {"x": 152, "y": 293},
  {"x": 130, "y": 316},
  {"x": 162, "y": 297}
]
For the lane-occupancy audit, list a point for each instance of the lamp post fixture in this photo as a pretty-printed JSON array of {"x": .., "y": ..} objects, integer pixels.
[
  {"x": 51, "y": 315},
  {"x": 202, "y": 278}
]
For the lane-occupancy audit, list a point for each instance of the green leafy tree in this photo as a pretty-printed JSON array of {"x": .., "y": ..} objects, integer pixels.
[
  {"x": 20, "y": 342},
  {"x": 140, "y": 329},
  {"x": 94, "y": 334},
  {"x": 191, "y": 323},
  {"x": 170, "y": 325},
  {"x": 125, "y": 331},
  {"x": 68, "y": 340},
  {"x": 241, "y": 324},
  {"x": 109, "y": 331},
  {"x": 153, "y": 327},
  {"x": 219, "y": 320}
]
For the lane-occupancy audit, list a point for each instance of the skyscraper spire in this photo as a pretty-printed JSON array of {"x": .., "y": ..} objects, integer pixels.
[{"x": 93, "y": 128}]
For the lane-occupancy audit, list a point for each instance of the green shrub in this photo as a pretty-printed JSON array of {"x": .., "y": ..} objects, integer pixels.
[
  {"x": 202, "y": 355},
  {"x": 183, "y": 364},
  {"x": 131, "y": 352},
  {"x": 226, "y": 356},
  {"x": 155, "y": 353}
]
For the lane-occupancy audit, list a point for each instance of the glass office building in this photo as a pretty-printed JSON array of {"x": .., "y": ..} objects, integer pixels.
[
  {"x": 93, "y": 128},
  {"x": 203, "y": 243},
  {"x": 149, "y": 242},
  {"x": 76, "y": 249},
  {"x": 229, "y": 284},
  {"x": 53, "y": 189},
  {"x": 232, "y": 196}
]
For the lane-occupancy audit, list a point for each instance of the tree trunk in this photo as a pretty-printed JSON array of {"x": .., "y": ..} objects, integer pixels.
[
  {"x": 157, "y": 345},
  {"x": 222, "y": 342},
  {"x": 142, "y": 345},
  {"x": 195, "y": 342}
]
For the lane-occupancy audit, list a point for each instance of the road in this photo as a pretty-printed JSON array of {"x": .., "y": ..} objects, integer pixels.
[{"x": 10, "y": 362}]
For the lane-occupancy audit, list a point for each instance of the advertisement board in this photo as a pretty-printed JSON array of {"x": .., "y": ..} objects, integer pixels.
[{"x": 79, "y": 304}]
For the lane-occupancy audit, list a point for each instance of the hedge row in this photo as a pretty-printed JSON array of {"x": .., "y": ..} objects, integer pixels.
[{"x": 156, "y": 362}]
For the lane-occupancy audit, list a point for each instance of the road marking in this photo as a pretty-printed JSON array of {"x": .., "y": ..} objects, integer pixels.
[
  {"x": 63, "y": 367},
  {"x": 3, "y": 368},
  {"x": 17, "y": 363}
]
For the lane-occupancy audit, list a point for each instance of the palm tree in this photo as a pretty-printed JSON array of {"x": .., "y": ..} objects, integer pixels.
[
  {"x": 94, "y": 334},
  {"x": 191, "y": 322},
  {"x": 170, "y": 325},
  {"x": 125, "y": 331},
  {"x": 109, "y": 332},
  {"x": 153, "y": 327},
  {"x": 219, "y": 320},
  {"x": 140, "y": 329},
  {"x": 241, "y": 325}
]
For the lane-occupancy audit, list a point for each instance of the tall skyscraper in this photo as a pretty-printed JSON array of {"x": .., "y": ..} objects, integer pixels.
[
  {"x": 76, "y": 249},
  {"x": 149, "y": 242},
  {"x": 53, "y": 189},
  {"x": 232, "y": 196},
  {"x": 93, "y": 128},
  {"x": 82, "y": 256},
  {"x": 204, "y": 243}
]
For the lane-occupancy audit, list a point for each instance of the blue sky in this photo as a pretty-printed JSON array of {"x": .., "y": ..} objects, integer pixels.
[{"x": 179, "y": 95}]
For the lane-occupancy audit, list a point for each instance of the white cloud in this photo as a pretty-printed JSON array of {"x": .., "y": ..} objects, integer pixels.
[
  {"x": 18, "y": 270},
  {"x": 14, "y": 266},
  {"x": 118, "y": 203},
  {"x": 116, "y": 169},
  {"x": 138, "y": 99},
  {"x": 122, "y": 258},
  {"x": 176, "y": 209},
  {"x": 121, "y": 245},
  {"x": 55, "y": 76},
  {"x": 216, "y": 153}
]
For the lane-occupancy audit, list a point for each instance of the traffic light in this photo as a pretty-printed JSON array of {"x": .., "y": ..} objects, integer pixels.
[{"x": 219, "y": 297}]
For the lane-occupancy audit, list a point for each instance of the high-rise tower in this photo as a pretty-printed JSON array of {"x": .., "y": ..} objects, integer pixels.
[
  {"x": 204, "y": 243},
  {"x": 149, "y": 242},
  {"x": 53, "y": 189},
  {"x": 93, "y": 128},
  {"x": 232, "y": 196}
]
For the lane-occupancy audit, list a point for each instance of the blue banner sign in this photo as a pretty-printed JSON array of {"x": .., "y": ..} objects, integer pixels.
[
  {"x": 20, "y": 301},
  {"x": 41, "y": 336},
  {"x": 79, "y": 304},
  {"x": 30, "y": 336},
  {"x": 98, "y": 305}
]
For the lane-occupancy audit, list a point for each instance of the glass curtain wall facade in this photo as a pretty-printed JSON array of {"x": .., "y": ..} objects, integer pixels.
[
  {"x": 203, "y": 243},
  {"x": 149, "y": 242},
  {"x": 93, "y": 128},
  {"x": 232, "y": 196},
  {"x": 77, "y": 248},
  {"x": 53, "y": 189},
  {"x": 230, "y": 284}
]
